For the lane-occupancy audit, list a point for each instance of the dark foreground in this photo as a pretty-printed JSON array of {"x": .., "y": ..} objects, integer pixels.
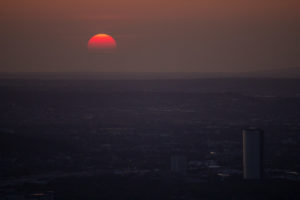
[{"x": 153, "y": 187}]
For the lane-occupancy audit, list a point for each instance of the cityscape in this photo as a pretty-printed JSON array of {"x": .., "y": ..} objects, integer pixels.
[
  {"x": 150, "y": 100},
  {"x": 171, "y": 136}
]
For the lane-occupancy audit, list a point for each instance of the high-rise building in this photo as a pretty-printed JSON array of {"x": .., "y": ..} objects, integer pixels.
[
  {"x": 253, "y": 153},
  {"x": 178, "y": 164}
]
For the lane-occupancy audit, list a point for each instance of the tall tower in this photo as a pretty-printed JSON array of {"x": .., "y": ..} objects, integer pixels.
[{"x": 253, "y": 153}]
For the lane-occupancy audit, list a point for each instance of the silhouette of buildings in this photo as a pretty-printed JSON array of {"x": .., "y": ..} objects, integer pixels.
[{"x": 253, "y": 153}]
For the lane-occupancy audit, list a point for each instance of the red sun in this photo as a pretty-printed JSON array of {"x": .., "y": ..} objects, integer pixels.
[{"x": 102, "y": 42}]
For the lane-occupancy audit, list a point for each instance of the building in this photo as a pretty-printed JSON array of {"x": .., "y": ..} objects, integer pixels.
[
  {"x": 253, "y": 153},
  {"x": 178, "y": 164}
]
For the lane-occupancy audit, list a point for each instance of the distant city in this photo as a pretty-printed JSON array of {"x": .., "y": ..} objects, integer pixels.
[{"x": 150, "y": 139}]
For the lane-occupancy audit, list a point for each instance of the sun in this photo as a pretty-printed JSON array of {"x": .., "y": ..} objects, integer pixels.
[{"x": 102, "y": 43}]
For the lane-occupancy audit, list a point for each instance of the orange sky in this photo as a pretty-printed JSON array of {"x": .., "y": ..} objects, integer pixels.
[{"x": 156, "y": 35}]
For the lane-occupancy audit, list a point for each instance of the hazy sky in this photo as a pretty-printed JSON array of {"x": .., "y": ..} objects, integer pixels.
[{"x": 152, "y": 35}]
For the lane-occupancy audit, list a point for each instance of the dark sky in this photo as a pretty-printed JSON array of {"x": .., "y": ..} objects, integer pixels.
[{"x": 152, "y": 35}]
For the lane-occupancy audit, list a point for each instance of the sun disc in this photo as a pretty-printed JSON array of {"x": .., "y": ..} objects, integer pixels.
[{"x": 102, "y": 42}]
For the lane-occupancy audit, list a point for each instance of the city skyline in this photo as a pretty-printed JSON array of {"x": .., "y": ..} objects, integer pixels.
[{"x": 149, "y": 99}]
